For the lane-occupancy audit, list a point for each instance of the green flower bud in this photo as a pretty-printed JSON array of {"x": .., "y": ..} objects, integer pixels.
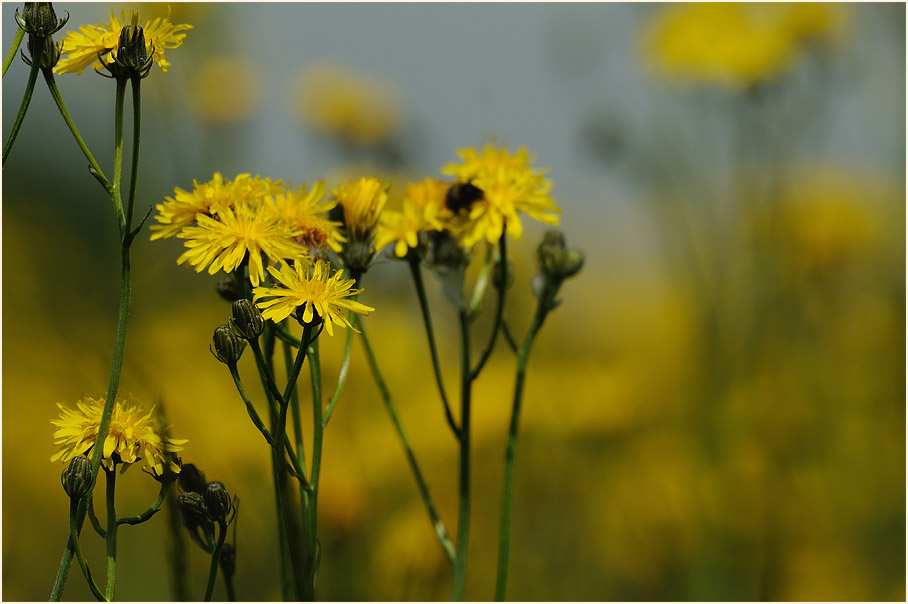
[
  {"x": 131, "y": 56},
  {"x": 77, "y": 477},
  {"x": 357, "y": 254},
  {"x": 228, "y": 559},
  {"x": 217, "y": 501},
  {"x": 39, "y": 19},
  {"x": 556, "y": 263},
  {"x": 192, "y": 510},
  {"x": 229, "y": 289},
  {"x": 227, "y": 346},
  {"x": 247, "y": 319},
  {"x": 44, "y": 51}
]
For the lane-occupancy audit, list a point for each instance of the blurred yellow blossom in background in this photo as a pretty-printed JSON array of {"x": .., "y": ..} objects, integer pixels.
[{"x": 224, "y": 89}]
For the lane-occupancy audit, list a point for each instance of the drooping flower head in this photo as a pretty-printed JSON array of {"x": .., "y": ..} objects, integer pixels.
[
  {"x": 245, "y": 231},
  {"x": 309, "y": 291},
  {"x": 91, "y": 46},
  {"x": 508, "y": 185},
  {"x": 132, "y": 436},
  {"x": 423, "y": 210},
  {"x": 308, "y": 213}
]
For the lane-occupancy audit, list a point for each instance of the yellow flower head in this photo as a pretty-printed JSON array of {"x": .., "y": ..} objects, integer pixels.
[
  {"x": 181, "y": 210},
  {"x": 363, "y": 200},
  {"x": 735, "y": 44},
  {"x": 308, "y": 213},
  {"x": 312, "y": 288},
  {"x": 131, "y": 437},
  {"x": 92, "y": 44},
  {"x": 509, "y": 185},
  {"x": 423, "y": 210},
  {"x": 245, "y": 231}
]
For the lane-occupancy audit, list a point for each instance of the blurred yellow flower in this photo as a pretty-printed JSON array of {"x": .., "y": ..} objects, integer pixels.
[
  {"x": 182, "y": 209},
  {"x": 132, "y": 436},
  {"x": 339, "y": 102},
  {"x": 423, "y": 210},
  {"x": 243, "y": 232},
  {"x": 224, "y": 90},
  {"x": 92, "y": 44},
  {"x": 735, "y": 44},
  {"x": 509, "y": 185},
  {"x": 319, "y": 293},
  {"x": 308, "y": 213},
  {"x": 363, "y": 201}
]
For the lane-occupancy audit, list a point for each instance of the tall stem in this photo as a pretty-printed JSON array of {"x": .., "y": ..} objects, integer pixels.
[
  {"x": 318, "y": 429},
  {"x": 136, "y": 132},
  {"x": 23, "y": 107},
  {"x": 215, "y": 559},
  {"x": 463, "y": 521},
  {"x": 499, "y": 307},
  {"x": 504, "y": 536},
  {"x": 111, "y": 482},
  {"x": 17, "y": 40}
]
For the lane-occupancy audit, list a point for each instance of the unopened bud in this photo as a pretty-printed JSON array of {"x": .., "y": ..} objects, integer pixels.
[
  {"x": 229, "y": 289},
  {"x": 227, "y": 346},
  {"x": 77, "y": 477},
  {"x": 39, "y": 19},
  {"x": 228, "y": 559},
  {"x": 192, "y": 510},
  {"x": 556, "y": 263},
  {"x": 217, "y": 501},
  {"x": 247, "y": 319}
]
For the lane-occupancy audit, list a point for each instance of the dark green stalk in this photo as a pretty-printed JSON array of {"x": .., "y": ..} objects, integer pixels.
[
  {"x": 341, "y": 377},
  {"x": 17, "y": 40},
  {"x": 463, "y": 522},
  {"x": 215, "y": 559},
  {"x": 111, "y": 482},
  {"x": 302, "y": 485},
  {"x": 499, "y": 308},
  {"x": 23, "y": 107},
  {"x": 430, "y": 333},
  {"x": 136, "y": 132},
  {"x": 94, "y": 518},
  {"x": 231, "y": 590},
  {"x": 151, "y": 511},
  {"x": 504, "y": 537},
  {"x": 315, "y": 372},
  {"x": 86, "y": 572},
  {"x": 437, "y": 524},
  {"x": 118, "y": 150}
]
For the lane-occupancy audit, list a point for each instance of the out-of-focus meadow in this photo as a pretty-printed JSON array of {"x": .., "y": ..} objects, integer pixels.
[{"x": 715, "y": 412}]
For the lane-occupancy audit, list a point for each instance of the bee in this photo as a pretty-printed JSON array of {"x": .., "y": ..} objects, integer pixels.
[{"x": 462, "y": 195}]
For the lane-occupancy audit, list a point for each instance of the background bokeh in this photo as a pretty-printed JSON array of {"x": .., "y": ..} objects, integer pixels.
[{"x": 716, "y": 411}]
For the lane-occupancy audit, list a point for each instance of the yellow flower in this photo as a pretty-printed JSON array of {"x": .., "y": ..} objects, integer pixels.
[
  {"x": 735, "y": 44},
  {"x": 509, "y": 185},
  {"x": 363, "y": 200},
  {"x": 92, "y": 45},
  {"x": 317, "y": 293},
  {"x": 181, "y": 210},
  {"x": 131, "y": 436},
  {"x": 224, "y": 90},
  {"x": 423, "y": 210},
  {"x": 245, "y": 231},
  {"x": 306, "y": 212}
]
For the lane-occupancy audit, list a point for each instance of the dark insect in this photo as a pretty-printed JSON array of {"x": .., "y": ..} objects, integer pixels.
[{"x": 462, "y": 195}]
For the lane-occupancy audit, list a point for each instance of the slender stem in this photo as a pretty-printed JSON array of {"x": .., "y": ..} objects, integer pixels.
[
  {"x": 499, "y": 308},
  {"x": 118, "y": 149},
  {"x": 482, "y": 282},
  {"x": 430, "y": 333},
  {"x": 86, "y": 572},
  {"x": 341, "y": 377},
  {"x": 136, "y": 132},
  {"x": 215, "y": 558},
  {"x": 463, "y": 522},
  {"x": 315, "y": 372},
  {"x": 302, "y": 485},
  {"x": 231, "y": 590},
  {"x": 295, "y": 408},
  {"x": 111, "y": 482},
  {"x": 504, "y": 537},
  {"x": 508, "y": 336},
  {"x": 23, "y": 107},
  {"x": 17, "y": 40},
  {"x": 437, "y": 524},
  {"x": 94, "y": 518},
  {"x": 151, "y": 511}
]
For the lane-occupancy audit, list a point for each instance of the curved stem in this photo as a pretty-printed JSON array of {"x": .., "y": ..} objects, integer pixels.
[
  {"x": 341, "y": 378},
  {"x": 111, "y": 482},
  {"x": 94, "y": 168},
  {"x": 17, "y": 40},
  {"x": 136, "y": 135},
  {"x": 499, "y": 308},
  {"x": 23, "y": 108},
  {"x": 86, "y": 572},
  {"x": 463, "y": 522},
  {"x": 94, "y": 518},
  {"x": 437, "y": 524},
  {"x": 504, "y": 536},
  {"x": 430, "y": 333},
  {"x": 215, "y": 558},
  {"x": 151, "y": 511}
]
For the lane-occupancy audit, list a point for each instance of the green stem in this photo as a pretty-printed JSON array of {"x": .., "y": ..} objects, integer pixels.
[
  {"x": 341, "y": 377},
  {"x": 231, "y": 590},
  {"x": 23, "y": 107},
  {"x": 86, "y": 572},
  {"x": 463, "y": 522},
  {"x": 300, "y": 461},
  {"x": 315, "y": 372},
  {"x": 215, "y": 558},
  {"x": 111, "y": 482},
  {"x": 17, "y": 40},
  {"x": 430, "y": 333},
  {"x": 437, "y": 524},
  {"x": 94, "y": 518},
  {"x": 151, "y": 511},
  {"x": 118, "y": 151},
  {"x": 504, "y": 537},
  {"x": 136, "y": 132},
  {"x": 499, "y": 309}
]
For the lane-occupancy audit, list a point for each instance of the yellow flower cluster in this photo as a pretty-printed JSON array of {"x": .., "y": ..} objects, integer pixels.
[
  {"x": 735, "y": 44},
  {"x": 131, "y": 437}
]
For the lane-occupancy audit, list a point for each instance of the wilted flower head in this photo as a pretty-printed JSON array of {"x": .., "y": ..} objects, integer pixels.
[{"x": 132, "y": 436}]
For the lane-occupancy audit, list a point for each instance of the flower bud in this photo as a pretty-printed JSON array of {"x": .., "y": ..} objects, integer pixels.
[
  {"x": 217, "y": 501},
  {"x": 228, "y": 559},
  {"x": 77, "y": 477},
  {"x": 229, "y": 289},
  {"x": 39, "y": 19},
  {"x": 556, "y": 263},
  {"x": 131, "y": 49},
  {"x": 192, "y": 510},
  {"x": 227, "y": 346},
  {"x": 247, "y": 320}
]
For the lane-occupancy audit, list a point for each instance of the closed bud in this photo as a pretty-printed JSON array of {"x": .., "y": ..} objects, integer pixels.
[
  {"x": 229, "y": 289},
  {"x": 39, "y": 19},
  {"x": 556, "y": 263},
  {"x": 247, "y": 319},
  {"x": 77, "y": 477},
  {"x": 131, "y": 56},
  {"x": 192, "y": 510},
  {"x": 217, "y": 501},
  {"x": 227, "y": 346},
  {"x": 228, "y": 559}
]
